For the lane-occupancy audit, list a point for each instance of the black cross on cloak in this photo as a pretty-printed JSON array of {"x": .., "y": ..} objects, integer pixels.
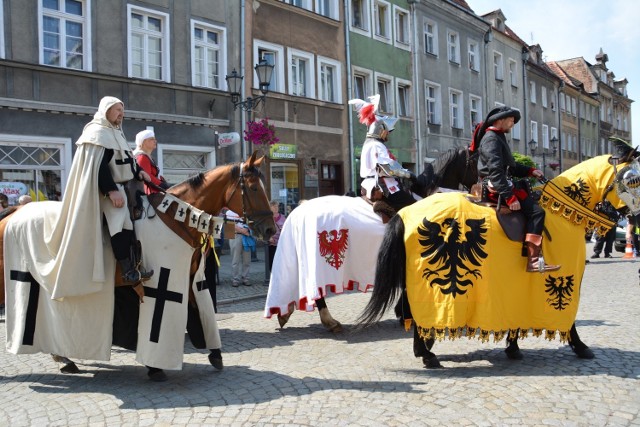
[
  {"x": 162, "y": 295},
  {"x": 32, "y": 304}
]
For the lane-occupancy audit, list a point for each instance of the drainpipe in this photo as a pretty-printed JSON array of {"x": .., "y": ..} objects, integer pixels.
[
  {"x": 243, "y": 147},
  {"x": 488, "y": 38},
  {"x": 417, "y": 128},
  {"x": 351, "y": 151},
  {"x": 525, "y": 58},
  {"x": 560, "y": 88}
]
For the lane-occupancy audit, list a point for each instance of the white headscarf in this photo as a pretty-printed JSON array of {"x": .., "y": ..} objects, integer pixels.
[{"x": 106, "y": 103}]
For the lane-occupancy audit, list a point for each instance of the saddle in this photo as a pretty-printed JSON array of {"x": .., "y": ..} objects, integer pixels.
[{"x": 513, "y": 223}]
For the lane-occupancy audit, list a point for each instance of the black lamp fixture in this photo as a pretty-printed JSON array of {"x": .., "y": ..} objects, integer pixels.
[
  {"x": 533, "y": 146},
  {"x": 234, "y": 84}
]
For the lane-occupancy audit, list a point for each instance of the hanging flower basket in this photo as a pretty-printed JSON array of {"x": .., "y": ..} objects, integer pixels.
[
  {"x": 260, "y": 133},
  {"x": 554, "y": 166}
]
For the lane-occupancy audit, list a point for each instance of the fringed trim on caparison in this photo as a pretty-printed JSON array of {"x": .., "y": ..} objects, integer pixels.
[
  {"x": 485, "y": 335},
  {"x": 561, "y": 204}
]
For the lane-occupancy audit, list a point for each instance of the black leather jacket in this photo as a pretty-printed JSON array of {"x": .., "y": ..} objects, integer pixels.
[{"x": 496, "y": 163}]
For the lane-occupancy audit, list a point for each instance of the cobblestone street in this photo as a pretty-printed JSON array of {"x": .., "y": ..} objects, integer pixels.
[{"x": 304, "y": 375}]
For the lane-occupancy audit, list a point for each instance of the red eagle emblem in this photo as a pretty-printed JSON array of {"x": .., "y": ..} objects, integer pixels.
[{"x": 332, "y": 245}]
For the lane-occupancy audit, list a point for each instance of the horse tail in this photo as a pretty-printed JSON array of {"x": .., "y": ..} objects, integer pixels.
[{"x": 390, "y": 274}]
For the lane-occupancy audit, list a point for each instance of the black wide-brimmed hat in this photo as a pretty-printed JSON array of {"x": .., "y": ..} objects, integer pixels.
[
  {"x": 622, "y": 150},
  {"x": 502, "y": 113}
]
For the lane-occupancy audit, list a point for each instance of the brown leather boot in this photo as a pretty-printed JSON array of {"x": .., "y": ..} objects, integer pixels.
[{"x": 535, "y": 262}]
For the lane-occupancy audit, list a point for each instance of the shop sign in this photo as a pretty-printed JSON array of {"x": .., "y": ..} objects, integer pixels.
[
  {"x": 283, "y": 151},
  {"x": 226, "y": 139}
]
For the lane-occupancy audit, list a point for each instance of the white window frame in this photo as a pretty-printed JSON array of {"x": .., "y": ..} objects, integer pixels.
[
  {"x": 337, "y": 78},
  {"x": 402, "y": 38},
  {"x": 310, "y": 82},
  {"x": 332, "y": 11},
  {"x": 498, "y": 66},
  {"x": 62, "y": 144},
  {"x": 554, "y": 133},
  {"x": 545, "y": 136},
  {"x": 437, "y": 102},
  {"x": 534, "y": 130},
  {"x": 513, "y": 72},
  {"x": 573, "y": 107},
  {"x": 477, "y": 110},
  {"x": 375, "y": 10},
  {"x": 433, "y": 36},
  {"x": 366, "y": 18},
  {"x": 278, "y": 70},
  {"x": 516, "y": 129},
  {"x": 391, "y": 98},
  {"x": 453, "y": 49},
  {"x": 87, "y": 47},
  {"x": 222, "y": 54},
  {"x": 456, "y": 109},
  {"x": 368, "y": 80},
  {"x": 165, "y": 38},
  {"x": 209, "y": 152},
  {"x": 304, "y": 4},
  {"x": 543, "y": 97},
  {"x": 532, "y": 92},
  {"x": 406, "y": 84},
  {"x": 473, "y": 49}
]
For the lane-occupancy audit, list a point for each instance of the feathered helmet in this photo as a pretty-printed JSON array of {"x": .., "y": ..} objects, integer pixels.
[
  {"x": 378, "y": 127},
  {"x": 622, "y": 151}
]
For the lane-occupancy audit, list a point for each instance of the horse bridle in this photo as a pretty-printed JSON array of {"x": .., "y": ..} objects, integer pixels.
[{"x": 248, "y": 218}]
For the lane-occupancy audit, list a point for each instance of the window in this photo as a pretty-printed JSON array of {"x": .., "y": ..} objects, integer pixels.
[
  {"x": 573, "y": 107},
  {"x": 534, "y": 131},
  {"x": 453, "y": 46},
  {"x": 360, "y": 16},
  {"x": 513, "y": 73},
  {"x": 432, "y": 97},
  {"x": 430, "y": 37},
  {"x": 456, "y": 109},
  {"x": 301, "y": 74},
  {"x": 207, "y": 55},
  {"x": 180, "y": 162},
  {"x": 274, "y": 55},
  {"x": 532, "y": 91},
  {"x": 516, "y": 130},
  {"x": 498, "y": 70},
  {"x": 403, "y": 98},
  {"x": 148, "y": 44},
  {"x": 2, "y": 29},
  {"x": 383, "y": 85},
  {"x": 545, "y": 136},
  {"x": 304, "y": 4},
  {"x": 402, "y": 29},
  {"x": 474, "y": 56},
  {"x": 328, "y": 8},
  {"x": 561, "y": 99},
  {"x": 382, "y": 20},
  {"x": 63, "y": 34},
  {"x": 475, "y": 111},
  {"x": 554, "y": 134},
  {"x": 362, "y": 83},
  {"x": 329, "y": 72}
]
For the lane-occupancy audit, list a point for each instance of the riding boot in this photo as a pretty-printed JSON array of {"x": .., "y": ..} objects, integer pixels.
[
  {"x": 535, "y": 261},
  {"x": 132, "y": 270}
]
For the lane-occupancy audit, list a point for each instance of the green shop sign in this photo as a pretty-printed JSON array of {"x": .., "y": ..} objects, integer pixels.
[{"x": 283, "y": 151}]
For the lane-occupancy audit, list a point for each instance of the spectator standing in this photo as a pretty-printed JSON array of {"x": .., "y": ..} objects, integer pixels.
[
  {"x": 605, "y": 241},
  {"x": 279, "y": 219},
  {"x": 240, "y": 258}
]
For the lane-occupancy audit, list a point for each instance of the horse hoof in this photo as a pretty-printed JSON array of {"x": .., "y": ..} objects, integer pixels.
[
  {"x": 514, "y": 354},
  {"x": 337, "y": 328},
  {"x": 584, "y": 353},
  {"x": 215, "y": 358},
  {"x": 70, "y": 368},
  {"x": 431, "y": 362},
  {"x": 157, "y": 375},
  {"x": 283, "y": 319}
]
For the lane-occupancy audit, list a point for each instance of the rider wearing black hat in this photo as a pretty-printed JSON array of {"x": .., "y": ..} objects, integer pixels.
[{"x": 497, "y": 165}]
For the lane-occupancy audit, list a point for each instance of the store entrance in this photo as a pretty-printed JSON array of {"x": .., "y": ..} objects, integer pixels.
[{"x": 285, "y": 185}]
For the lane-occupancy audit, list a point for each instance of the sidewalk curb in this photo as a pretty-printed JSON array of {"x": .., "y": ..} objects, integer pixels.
[{"x": 230, "y": 301}]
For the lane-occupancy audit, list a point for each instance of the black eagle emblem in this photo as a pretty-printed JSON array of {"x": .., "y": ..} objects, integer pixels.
[
  {"x": 579, "y": 192},
  {"x": 560, "y": 290},
  {"x": 448, "y": 254}
]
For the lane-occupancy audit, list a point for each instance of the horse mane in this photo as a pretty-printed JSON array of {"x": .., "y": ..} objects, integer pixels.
[
  {"x": 196, "y": 181},
  {"x": 390, "y": 277},
  {"x": 445, "y": 160}
]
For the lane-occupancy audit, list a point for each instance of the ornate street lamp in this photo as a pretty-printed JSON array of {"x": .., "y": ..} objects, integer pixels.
[{"x": 264, "y": 72}]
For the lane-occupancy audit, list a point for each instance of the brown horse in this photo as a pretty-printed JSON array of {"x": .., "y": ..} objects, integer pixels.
[{"x": 171, "y": 247}]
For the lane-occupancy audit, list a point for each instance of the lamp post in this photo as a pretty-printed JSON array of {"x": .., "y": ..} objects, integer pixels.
[
  {"x": 533, "y": 146},
  {"x": 234, "y": 83}
]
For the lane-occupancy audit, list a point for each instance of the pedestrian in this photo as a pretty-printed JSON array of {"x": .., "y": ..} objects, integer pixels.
[
  {"x": 279, "y": 219},
  {"x": 4, "y": 202},
  {"x": 605, "y": 241},
  {"x": 146, "y": 144},
  {"x": 24, "y": 199},
  {"x": 496, "y": 166},
  {"x": 240, "y": 250}
]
